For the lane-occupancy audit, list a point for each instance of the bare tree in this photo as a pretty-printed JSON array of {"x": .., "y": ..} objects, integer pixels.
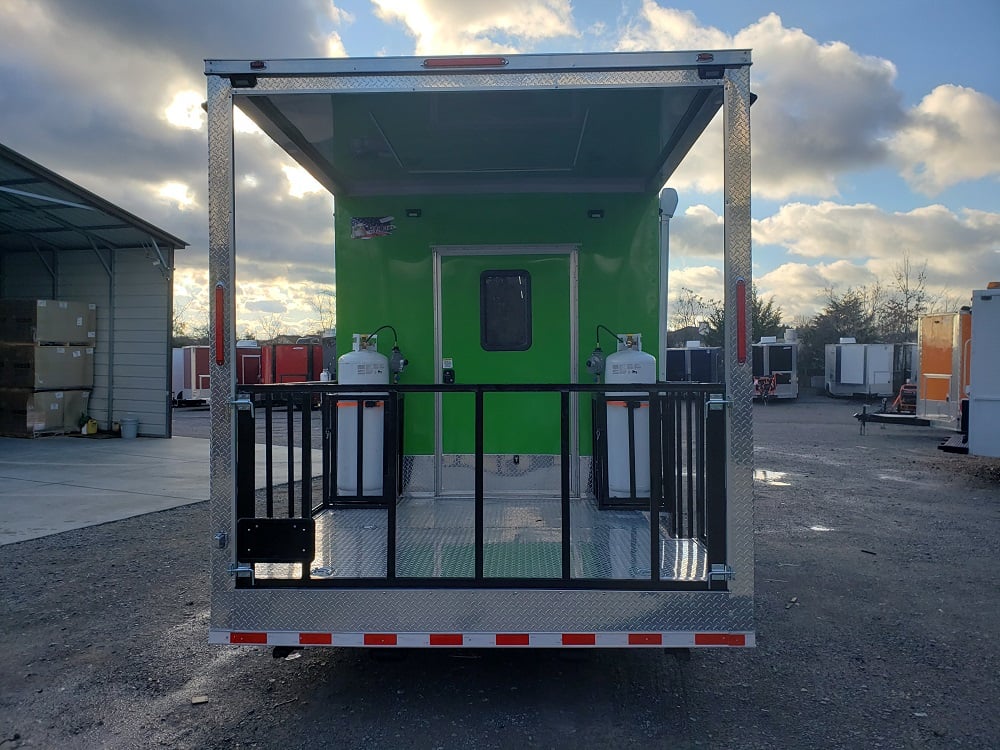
[
  {"x": 270, "y": 326},
  {"x": 190, "y": 319},
  {"x": 689, "y": 310},
  {"x": 324, "y": 304},
  {"x": 909, "y": 299}
]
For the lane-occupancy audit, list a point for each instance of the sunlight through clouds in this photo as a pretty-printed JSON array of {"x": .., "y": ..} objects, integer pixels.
[
  {"x": 471, "y": 26},
  {"x": 300, "y": 182},
  {"x": 184, "y": 110},
  {"x": 179, "y": 194}
]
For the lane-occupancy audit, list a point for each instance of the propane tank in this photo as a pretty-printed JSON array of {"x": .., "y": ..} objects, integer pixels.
[
  {"x": 361, "y": 366},
  {"x": 628, "y": 448}
]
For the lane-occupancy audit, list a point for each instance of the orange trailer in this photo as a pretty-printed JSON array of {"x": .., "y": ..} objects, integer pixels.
[{"x": 944, "y": 342}]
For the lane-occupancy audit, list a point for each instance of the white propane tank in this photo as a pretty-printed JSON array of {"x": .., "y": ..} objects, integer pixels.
[
  {"x": 362, "y": 366},
  {"x": 628, "y": 365}
]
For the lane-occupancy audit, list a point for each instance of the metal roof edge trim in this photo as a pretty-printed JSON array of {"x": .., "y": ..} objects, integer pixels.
[
  {"x": 93, "y": 199},
  {"x": 515, "y": 63}
]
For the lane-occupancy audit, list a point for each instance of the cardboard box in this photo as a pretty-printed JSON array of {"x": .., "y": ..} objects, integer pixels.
[
  {"x": 47, "y": 322},
  {"x": 74, "y": 406},
  {"x": 46, "y": 367},
  {"x": 26, "y": 413}
]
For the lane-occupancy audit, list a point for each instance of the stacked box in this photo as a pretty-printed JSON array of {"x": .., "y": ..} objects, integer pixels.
[
  {"x": 46, "y": 365},
  {"x": 46, "y": 368},
  {"x": 27, "y": 413},
  {"x": 47, "y": 322}
]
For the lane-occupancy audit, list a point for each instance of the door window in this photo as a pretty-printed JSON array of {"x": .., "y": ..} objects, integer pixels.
[{"x": 505, "y": 310}]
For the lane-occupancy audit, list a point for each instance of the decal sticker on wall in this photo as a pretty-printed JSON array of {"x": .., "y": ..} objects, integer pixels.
[{"x": 367, "y": 227}]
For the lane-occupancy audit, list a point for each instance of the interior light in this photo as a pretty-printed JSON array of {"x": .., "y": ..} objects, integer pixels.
[
  {"x": 413, "y": 213},
  {"x": 243, "y": 80},
  {"x": 711, "y": 72},
  {"x": 595, "y": 213},
  {"x": 465, "y": 62}
]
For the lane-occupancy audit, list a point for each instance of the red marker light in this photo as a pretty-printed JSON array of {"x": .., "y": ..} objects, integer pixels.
[
  {"x": 220, "y": 324},
  {"x": 705, "y": 57},
  {"x": 465, "y": 62},
  {"x": 741, "y": 321}
]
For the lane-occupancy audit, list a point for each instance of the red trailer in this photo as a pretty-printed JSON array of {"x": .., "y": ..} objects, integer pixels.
[
  {"x": 291, "y": 363},
  {"x": 248, "y": 365}
]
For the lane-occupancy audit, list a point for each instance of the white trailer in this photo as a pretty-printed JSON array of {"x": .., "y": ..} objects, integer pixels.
[
  {"x": 984, "y": 381},
  {"x": 775, "y": 367},
  {"x": 865, "y": 370},
  {"x": 190, "y": 375},
  {"x": 493, "y": 214}
]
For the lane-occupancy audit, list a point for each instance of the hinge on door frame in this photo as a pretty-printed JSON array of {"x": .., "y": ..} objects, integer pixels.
[
  {"x": 243, "y": 404},
  {"x": 238, "y": 570},
  {"x": 721, "y": 572},
  {"x": 717, "y": 401}
]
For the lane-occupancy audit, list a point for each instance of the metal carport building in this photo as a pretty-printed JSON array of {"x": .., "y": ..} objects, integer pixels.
[{"x": 59, "y": 241}]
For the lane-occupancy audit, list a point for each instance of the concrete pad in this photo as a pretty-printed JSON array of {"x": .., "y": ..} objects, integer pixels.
[{"x": 55, "y": 484}]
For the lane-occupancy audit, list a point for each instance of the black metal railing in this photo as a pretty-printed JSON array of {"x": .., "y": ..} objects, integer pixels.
[{"x": 686, "y": 458}]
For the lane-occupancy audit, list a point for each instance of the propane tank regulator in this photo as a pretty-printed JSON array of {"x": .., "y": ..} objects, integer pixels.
[
  {"x": 397, "y": 362},
  {"x": 595, "y": 362}
]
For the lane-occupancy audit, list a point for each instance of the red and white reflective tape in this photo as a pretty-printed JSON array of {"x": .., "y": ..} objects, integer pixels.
[{"x": 744, "y": 639}]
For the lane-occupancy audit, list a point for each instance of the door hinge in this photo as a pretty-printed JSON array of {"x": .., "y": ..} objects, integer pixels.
[
  {"x": 721, "y": 572},
  {"x": 221, "y": 539},
  {"x": 241, "y": 570}
]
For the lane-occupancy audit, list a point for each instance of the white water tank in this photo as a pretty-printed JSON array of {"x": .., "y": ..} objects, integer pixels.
[
  {"x": 628, "y": 365},
  {"x": 363, "y": 366}
]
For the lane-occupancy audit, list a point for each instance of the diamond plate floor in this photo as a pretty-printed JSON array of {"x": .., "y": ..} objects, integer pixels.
[{"x": 522, "y": 539}]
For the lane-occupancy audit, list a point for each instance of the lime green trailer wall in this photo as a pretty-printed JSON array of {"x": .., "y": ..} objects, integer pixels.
[{"x": 389, "y": 279}]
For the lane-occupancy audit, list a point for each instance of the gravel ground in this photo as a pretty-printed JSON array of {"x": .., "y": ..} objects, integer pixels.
[{"x": 877, "y": 622}]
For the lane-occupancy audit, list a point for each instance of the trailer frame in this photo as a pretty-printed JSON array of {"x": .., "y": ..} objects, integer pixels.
[{"x": 504, "y": 614}]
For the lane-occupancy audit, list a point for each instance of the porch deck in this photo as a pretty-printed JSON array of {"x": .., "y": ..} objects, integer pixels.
[{"x": 435, "y": 538}]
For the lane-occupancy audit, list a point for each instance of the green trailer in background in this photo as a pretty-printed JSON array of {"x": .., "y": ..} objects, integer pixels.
[{"x": 500, "y": 461}]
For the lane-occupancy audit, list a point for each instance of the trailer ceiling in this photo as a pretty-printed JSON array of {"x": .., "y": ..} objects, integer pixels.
[{"x": 565, "y": 139}]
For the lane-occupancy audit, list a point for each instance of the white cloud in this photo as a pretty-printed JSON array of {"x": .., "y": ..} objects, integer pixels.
[
  {"x": 960, "y": 249},
  {"x": 670, "y": 29},
  {"x": 335, "y": 45},
  {"x": 476, "y": 26},
  {"x": 700, "y": 232},
  {"x": 705, "y": 281},
  {"x": 823, "y": 109},
  {"x": 799, "y": 288},
  {"x": 951, "y": 136},
  {"x": 828, "y": 229}
]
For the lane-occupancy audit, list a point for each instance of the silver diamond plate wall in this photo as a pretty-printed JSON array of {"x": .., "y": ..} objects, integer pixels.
[
  {"x": 487, "y": 610},
  {"x": 221, "y": 270},
  {"x": 739, "y": 376}
]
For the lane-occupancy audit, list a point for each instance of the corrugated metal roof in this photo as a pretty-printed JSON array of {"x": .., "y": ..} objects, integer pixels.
[{"x": 41, "y": 210}]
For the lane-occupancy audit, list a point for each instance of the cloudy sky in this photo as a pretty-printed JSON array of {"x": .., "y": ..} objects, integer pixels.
[{"x": 876, "y": 131}]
